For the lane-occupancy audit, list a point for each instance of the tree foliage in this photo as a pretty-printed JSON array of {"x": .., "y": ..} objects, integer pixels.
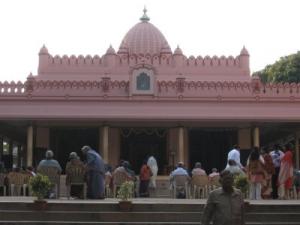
[{"x": 286, "y": 69}]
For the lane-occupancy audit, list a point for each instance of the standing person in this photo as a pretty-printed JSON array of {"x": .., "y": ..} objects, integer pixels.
[
  {"x": 152, "y": 163},
  {"x": 225, "y": 205},
  {"x": 256, "y": 173},
  {"x": 285, "y": 178},
  {"x": 235, "y": 155},
  {"x": 145, "y": 174},
  {"x": 266, "y": 190},
  {"x": 95, "y": 173},
  {"x": 276, "y": 155}
]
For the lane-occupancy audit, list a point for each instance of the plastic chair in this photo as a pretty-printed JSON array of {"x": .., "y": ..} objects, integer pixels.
[
  {"x": 76, "y": 176},
  {"x": 181, "y": 182},
  {"x": 53, "y": 174},
  {"x": 119, "y": 177},
  {"x": 200, "y": 186}
]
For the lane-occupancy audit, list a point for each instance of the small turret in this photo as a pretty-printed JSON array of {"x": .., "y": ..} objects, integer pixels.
[
  {"x": 110, "y": 56},
  {"x": 43, "y": 51},
  {"x": 110, "y": 51},
  {"x": 244, "y": 60},
  {"x": 178, "y": 57},
  {"x": 244, "y": 51},
  {"x": 43, "y": 59}
]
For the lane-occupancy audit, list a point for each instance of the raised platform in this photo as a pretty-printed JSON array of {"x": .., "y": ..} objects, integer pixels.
[{"x": 152, "y": 211}]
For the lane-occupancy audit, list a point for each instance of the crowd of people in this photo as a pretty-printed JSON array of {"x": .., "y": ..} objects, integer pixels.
[{"x": 269, "y": 172}]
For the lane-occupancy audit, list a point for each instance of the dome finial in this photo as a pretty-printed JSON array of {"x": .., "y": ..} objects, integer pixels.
[{"x": 145, "y": 18}]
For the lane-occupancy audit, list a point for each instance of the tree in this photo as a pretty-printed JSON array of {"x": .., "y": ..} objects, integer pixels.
[{"x": 286, "y": 69}]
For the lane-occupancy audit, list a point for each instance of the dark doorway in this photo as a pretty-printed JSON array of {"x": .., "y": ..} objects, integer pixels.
[
  {"x": 66, "y": 140},
  {"x": 138, "y": 144},
  {"x": 210, "y": 147}
]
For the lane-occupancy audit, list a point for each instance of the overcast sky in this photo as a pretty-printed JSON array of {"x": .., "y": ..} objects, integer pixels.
[{"x": 268, "y": 28}]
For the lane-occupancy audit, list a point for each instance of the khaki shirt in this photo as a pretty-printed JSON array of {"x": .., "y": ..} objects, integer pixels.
[{"x": 224, "y": 209}]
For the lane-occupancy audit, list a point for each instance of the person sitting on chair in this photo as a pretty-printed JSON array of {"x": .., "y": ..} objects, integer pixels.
[
  {"x": 49, "y": 162},
  {"x": 74, "y": 163}
]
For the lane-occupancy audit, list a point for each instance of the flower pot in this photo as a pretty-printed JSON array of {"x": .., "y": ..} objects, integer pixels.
[
  {"x": 40, "y": 204},
  {"x": 125, "y": 206}
]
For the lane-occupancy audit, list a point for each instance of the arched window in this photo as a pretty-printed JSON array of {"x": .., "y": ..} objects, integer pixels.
[{"x": 143, "y": 82}]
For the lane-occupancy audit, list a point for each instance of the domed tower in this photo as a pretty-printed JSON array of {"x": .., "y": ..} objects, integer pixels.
[{"x": 144, "y": 38}]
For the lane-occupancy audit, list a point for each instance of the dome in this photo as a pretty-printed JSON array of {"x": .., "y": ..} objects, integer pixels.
[{"x": 144, "y": 38}]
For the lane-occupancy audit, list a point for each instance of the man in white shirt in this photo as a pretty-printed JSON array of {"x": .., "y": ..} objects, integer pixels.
[
  {"x": 234, "y": 154},
  {"x": 276, "y": 155}
]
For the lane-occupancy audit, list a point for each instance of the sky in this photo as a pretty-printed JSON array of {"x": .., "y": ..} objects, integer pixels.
[{"x": 269, "y": 29}]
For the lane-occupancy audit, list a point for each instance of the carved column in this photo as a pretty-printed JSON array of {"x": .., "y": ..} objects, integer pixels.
[
  {"x": 104, "y": 142},
  {"x": 181, "y": 144},
  {"x": 29, "y": 145},
  {"x": 256, "y": 137}
]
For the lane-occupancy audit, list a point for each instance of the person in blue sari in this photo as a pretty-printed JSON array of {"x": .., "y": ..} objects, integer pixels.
[{"x": 95, "y": 173}]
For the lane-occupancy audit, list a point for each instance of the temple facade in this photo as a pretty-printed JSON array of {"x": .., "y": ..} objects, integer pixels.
[{"x": 141, "y": 100}]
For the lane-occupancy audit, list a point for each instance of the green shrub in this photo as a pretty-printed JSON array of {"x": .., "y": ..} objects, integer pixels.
[
  {"x": 126, "y": 190},
  {"x": 241, "y": 182},
  {"x": 40, "y": 185}
]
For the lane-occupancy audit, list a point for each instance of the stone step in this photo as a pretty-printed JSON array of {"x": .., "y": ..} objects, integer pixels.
[
  {"x": 129, "y": 223},
  {"x": 135, "y": 216}
]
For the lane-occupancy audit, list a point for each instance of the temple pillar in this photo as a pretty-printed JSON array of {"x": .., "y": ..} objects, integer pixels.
[
  {"x": 29, "y": 146},
  {"x": 114, "y": 146},
  {"x": 297, "y": 136},
  {"x": 104, "y": 131},
  {"x": 256, "y": 137},
  {"x": 182, "y": 146}
]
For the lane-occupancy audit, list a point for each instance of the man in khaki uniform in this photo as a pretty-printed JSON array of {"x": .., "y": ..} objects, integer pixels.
[{"x": 225, "y": 205}]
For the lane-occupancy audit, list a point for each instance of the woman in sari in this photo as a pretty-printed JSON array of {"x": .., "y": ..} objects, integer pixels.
[
  {"x": 285, "y": 178},
  {"x": 266, "y": 189}
]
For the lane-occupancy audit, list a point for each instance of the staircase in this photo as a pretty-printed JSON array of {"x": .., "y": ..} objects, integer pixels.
[{"x": 145, "y": 212}]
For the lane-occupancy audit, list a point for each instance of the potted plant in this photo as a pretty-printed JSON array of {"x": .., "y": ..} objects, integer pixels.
[
  {"x": 241, "y": 182},
  {"x": 40, "y": 186},
  {"x": 125, "y": 192}
]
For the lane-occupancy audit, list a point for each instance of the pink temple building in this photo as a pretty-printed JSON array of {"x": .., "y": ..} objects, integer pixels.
[{"x": 144, "y": 99}]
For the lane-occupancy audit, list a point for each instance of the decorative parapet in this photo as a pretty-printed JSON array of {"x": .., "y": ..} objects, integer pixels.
[
  {"x": 12, "y": 88},
  {"x": 133, "y": 59},
  {"x": 165, "y": 90}
]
